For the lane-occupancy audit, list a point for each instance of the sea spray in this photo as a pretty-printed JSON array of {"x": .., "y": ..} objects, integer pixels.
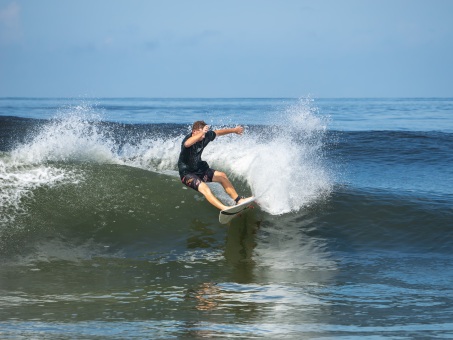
[
  {"x": 153, "y": 153},
  {"x": 75, "y": 136},
  {"x": 283, "y": 163}
]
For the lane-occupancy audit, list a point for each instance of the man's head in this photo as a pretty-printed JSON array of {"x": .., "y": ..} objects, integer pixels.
[{"x": 198, "y": 125}]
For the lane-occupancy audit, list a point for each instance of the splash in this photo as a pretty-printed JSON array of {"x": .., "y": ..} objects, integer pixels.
[
  {"x": 71, "y": 136},
  {"x": 155, "y": 154},
  {"x": 283, "y": 163}
]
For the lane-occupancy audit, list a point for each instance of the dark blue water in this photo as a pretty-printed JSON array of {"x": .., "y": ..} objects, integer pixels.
[{"x": 352, "y": 235}]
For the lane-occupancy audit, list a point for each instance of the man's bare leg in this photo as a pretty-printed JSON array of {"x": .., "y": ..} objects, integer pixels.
[
  {"x": 204, "y": 189},
  {"x": 222, "y": 178}
]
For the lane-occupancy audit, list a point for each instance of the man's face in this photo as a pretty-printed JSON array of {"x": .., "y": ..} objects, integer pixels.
[{"x": 201, "y": 130}]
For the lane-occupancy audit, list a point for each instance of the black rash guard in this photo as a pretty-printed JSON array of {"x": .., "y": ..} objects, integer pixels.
[{"x": 190, "y": 158}]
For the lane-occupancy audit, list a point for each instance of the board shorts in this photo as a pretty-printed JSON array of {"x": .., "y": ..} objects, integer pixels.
[{"x": 193, "y": 180}]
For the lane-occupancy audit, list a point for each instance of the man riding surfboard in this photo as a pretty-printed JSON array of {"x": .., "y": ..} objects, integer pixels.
[{"x": 195, "y": 173}]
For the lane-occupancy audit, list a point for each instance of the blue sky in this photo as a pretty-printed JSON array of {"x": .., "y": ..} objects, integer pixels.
[{"x": 250, "y": 48}]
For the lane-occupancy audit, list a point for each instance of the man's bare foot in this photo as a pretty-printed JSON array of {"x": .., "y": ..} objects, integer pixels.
[{"x": 242, "y": 200}]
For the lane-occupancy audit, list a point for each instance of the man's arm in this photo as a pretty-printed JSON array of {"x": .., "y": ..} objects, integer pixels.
[{"x": 237, "y": 130}]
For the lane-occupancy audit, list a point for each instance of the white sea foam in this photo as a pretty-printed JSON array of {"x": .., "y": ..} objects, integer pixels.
[
  {"x": 155, "y": 154},
  {"x": 283, "y": 164},
  {"x": 17, "y": 183},
  {"x": 72, "y": 137}
]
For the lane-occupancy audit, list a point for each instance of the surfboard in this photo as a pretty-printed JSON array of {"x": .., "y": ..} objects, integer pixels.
[{"x": 228, "y": 214}]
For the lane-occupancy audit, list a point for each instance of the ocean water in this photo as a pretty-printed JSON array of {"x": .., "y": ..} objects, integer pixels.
[{"x": 351, "y": 236}]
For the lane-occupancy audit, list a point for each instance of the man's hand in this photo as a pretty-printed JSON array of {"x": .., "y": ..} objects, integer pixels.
[
  {"x": 197, "y": 136},
  {"x": 203, "y": 132},
  {"x": 238, "y": 130}
]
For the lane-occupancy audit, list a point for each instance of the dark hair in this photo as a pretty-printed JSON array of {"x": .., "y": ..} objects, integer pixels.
[{"x": 199, "y": 124}]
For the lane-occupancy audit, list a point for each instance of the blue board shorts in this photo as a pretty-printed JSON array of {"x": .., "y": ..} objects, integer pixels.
[{"x": 193, "y": 180}]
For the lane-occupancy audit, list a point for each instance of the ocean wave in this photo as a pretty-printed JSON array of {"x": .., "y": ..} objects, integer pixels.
[
  {"x": 269, "y": 160},
  {"x": 113, "y": 189}
]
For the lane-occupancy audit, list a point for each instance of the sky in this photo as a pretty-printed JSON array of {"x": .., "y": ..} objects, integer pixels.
[{"x": 208, "y": 48}]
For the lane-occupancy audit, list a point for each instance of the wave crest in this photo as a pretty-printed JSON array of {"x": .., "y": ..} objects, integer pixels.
[{"x": 281, "y": 162}]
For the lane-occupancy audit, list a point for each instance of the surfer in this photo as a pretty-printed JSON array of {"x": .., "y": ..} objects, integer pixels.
[{"x": 195, "y": 173}]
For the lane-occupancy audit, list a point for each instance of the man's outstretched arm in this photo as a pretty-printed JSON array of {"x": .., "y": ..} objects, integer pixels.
[{"x": 237, "y": 130}]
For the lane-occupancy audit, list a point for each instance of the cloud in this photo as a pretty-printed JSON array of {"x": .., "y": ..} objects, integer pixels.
[{"x": 10, "y": 25}]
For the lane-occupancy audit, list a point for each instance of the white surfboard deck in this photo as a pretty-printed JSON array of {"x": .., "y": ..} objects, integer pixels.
[{"x": 227, "y": 215}]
